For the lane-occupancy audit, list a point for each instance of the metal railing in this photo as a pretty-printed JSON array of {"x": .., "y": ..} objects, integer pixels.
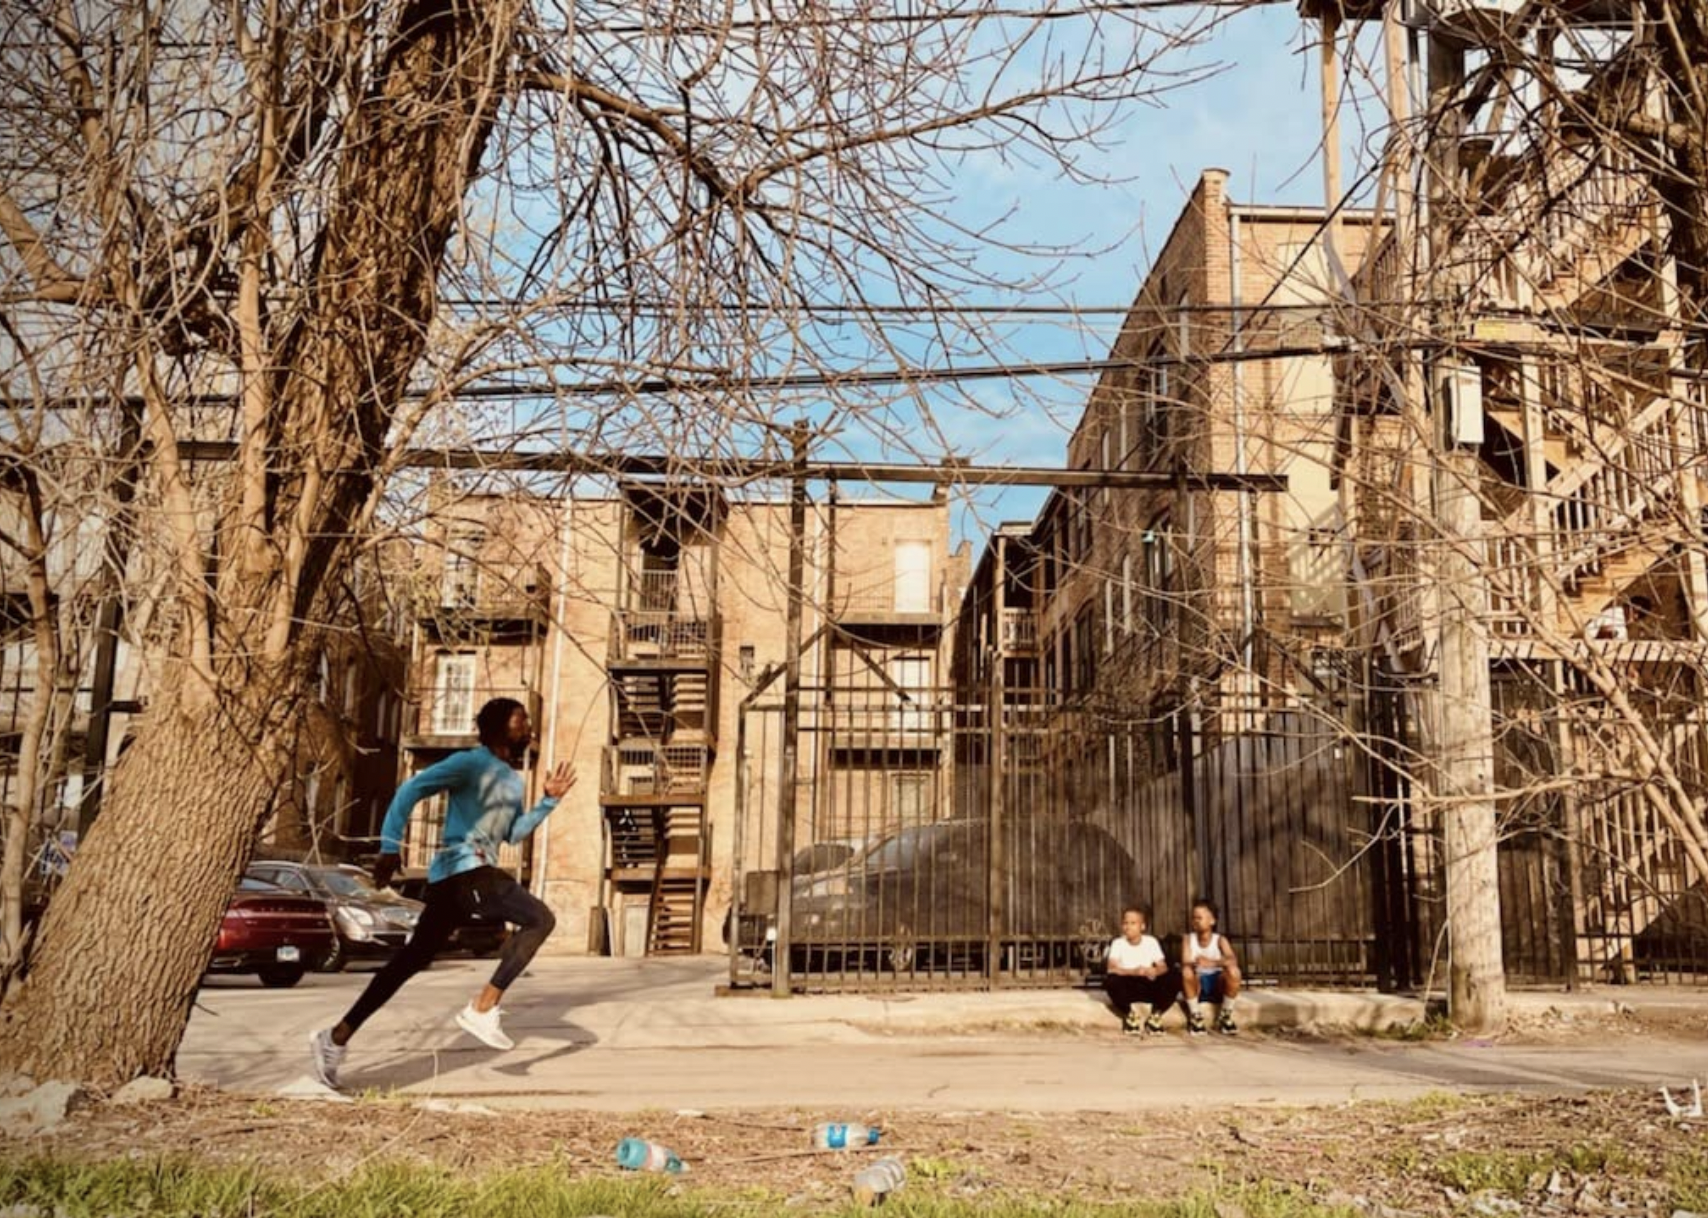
[
  {"x": 485, "y": 594},
  {"x": 646, "y": 769},
  {"x": 885, "y": 596},
  {"x": 1019, "y": 630},
  {"x": 663, "y": 635}
]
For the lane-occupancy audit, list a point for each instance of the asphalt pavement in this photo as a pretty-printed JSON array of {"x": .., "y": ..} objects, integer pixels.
[{"x": 628, "y": 1035}]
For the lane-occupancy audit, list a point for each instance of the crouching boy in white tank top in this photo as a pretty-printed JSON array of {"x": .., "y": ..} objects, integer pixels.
[{"x": 1209, "y": 971}]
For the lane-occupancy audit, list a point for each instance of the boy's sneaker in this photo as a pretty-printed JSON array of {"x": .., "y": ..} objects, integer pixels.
[
  {"x": 1153, "y": 1025},
  {"x": 1225, "y": 1025},
  {"x": 326, "y": 1057},
  {"x": 1195, "y": 1023},
  {"x": 484, "y": 1027},
  {"x": 1131, "y": 1024}
]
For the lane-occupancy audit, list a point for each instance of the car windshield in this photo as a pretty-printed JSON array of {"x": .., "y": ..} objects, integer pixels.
[
  {"x": 822, "y": 856},
  {"x": 342, "y": 883},
  {"x": 250, "y": 883},
  {"x": 901, "y": 851}
]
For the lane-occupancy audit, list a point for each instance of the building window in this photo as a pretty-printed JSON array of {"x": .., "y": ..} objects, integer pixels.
[
  {"x": 460, "y": 582},
  {"x": 1127, "y": 593},
  {"x": 913, "y": 577},
  {"x": 1159, "y": 572},
  {"x": 453, "y": 695},
  {"x": 910, "y": 799},
  {"x": 1084, "y": 650},
  {"x": 912, "y": 675},
  {"x": 1108, "y": 616}
]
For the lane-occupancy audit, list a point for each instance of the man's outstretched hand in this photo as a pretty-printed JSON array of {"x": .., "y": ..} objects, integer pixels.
[
  {"x": 560, "y": 780},
  {"x": 386, "y": 866}
]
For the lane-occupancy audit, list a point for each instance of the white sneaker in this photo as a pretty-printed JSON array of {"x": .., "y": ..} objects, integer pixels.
[
  {"x": 326, "y": 1056},
  {"x": 483, "y": 1026}
]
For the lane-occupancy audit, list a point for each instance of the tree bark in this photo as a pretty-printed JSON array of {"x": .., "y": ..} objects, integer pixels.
[{"x": 119, "y": 955}]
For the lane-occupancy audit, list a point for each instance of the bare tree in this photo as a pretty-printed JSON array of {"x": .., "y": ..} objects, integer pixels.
[{"x": 306, "y": 225}]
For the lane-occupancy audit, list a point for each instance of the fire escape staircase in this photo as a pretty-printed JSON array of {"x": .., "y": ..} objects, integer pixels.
[
  {"x": 1597, "y": 510},
  {"x": 663, "y": 850},
  {"x": 1644, "y": 865},
  {"x": 655, "y": 787}
]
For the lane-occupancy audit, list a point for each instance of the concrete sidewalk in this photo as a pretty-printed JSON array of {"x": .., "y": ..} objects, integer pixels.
[{"x": 632, "y": 1034}]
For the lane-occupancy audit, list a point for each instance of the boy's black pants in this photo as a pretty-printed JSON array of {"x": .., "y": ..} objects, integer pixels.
[{"x": 1127, "y": 992}]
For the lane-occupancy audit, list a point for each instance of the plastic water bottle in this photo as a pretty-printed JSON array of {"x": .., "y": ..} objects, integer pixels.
[
  {"x": 833, "y": 1136},
  {"x": 638, "y": 1154},
  {"x": 872, "y": 1184}
]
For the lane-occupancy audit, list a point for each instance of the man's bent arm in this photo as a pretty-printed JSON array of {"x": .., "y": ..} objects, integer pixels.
[
  {"x": 530, "y": 820},
  {"x": 441, "y": 776}
]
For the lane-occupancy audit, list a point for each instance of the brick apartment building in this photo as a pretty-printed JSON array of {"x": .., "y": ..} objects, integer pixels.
[
  {"x": 635, "y": 627},
  {"x": 1155, "y": 649}
]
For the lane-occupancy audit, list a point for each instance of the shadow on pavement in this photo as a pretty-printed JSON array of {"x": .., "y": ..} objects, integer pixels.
[{"x": 536, "y": 1018}]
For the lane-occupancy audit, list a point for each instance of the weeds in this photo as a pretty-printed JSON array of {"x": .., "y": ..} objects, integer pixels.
[
  {"x": 1512, "y": 1173},
  {"x": 1434, "y": 1026},
  {"x": 176, "y": 1189},
  {"x": 1687, "y": 1178}
]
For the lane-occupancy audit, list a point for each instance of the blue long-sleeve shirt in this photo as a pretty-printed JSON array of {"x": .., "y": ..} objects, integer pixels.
[{"x": 484, "y": 812}]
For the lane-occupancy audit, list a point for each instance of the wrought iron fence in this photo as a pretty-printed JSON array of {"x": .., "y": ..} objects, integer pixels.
[
  {"x": 981, "y": 849},
  {"x": 984, "y": 849}
]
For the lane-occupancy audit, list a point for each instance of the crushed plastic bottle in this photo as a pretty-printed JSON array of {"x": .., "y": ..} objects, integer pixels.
[
  {"x": 638, "y": 1154},
  {"x": 872, "y": 1184},
  {"x": 830, "y": 1135}
]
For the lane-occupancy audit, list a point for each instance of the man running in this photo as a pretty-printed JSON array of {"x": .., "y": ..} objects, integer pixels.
[{"x": 485, "y": 811}]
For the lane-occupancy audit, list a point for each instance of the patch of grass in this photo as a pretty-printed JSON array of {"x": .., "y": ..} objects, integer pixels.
[
  {"x": 1687, "y": 1178},
  {"x": 1433, "y": 1106},
  {"x": 182, "y": 1189},
  {"x": 1433, "y": 1026},
  {"x": 1476, "y": 1171},
  {"x": 935, "y": 1170},
  {"x": 1512, "y": 1173}
]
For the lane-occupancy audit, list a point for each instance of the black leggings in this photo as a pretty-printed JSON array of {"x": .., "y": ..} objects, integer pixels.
[
  {"x": 1126, "y": 991},
  {"x": 450, "y": 903}
]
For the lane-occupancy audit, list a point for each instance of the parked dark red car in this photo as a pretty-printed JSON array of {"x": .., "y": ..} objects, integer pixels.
[{"x": 272, "y": 933}]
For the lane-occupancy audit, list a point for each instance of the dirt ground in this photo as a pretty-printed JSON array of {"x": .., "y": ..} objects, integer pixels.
[{"x": 1608, "y": 1152}]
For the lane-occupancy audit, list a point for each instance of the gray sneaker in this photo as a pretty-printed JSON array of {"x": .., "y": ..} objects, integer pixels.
[{"x": 326, "y": 1056}]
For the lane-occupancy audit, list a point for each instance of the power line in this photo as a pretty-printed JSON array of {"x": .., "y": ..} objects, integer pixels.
[{"x": 735, "y": 470}]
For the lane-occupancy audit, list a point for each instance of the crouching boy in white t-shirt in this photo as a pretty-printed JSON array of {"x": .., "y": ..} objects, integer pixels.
[{"x": 1139, "y": 972}]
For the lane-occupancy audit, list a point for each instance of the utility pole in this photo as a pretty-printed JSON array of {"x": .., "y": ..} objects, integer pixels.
[
  {"x": 790, "y": 777},
  {"x": 1463, "y": 782}
]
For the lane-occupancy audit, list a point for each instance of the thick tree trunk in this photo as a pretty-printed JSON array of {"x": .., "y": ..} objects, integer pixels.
[{"x": 125, "y": 941}]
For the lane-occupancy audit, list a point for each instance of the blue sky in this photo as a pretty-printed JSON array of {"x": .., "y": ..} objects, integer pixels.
[{"x": 1258, "y": 118}]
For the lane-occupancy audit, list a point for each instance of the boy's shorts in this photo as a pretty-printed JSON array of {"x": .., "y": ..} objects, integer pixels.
[{"x": 1209, "y": 985}]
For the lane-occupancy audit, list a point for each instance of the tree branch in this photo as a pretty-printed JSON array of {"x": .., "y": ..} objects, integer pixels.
[{"x": 53, "y": 283}]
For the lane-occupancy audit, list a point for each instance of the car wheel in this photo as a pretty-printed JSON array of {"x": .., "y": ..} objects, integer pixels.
[
  {"x": 281, "y": 976},
  {"x": 485, "y": 946},
  {"x": 336, "y": 958}
]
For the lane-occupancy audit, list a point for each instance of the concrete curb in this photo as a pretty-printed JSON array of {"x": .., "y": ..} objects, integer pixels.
[{"x": 1042, "y": 1010}]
